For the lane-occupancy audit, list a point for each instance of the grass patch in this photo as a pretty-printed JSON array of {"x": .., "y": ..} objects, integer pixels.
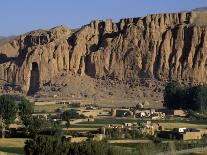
[
  {"x": 128, "y": 145},
  {"x": 12, "y": 150},
  {"x": 84, "y": 126},
  {"x": 110, "y": 121},
  {"x": 197, "y": 153},
  {"x": 12, "y": 145},
  {"x": 49, "y": 108}
]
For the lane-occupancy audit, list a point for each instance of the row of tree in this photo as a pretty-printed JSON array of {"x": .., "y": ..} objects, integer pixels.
[
  {"x": 185, "y": 97},
  {"x": 48, "y": 145},
  {"x": 12, "y": 107},
  {"x": 53, "y": 144}
]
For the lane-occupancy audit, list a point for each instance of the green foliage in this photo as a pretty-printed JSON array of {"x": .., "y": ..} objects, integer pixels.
[
  {"x": 11, "y": 104},
  {"x": 117, "y": 133},
  {"x": 52, "y": 131},
  {"x": 68, "y": 124},
  {"x": 199, "y": 98},
  {"x": 110, "y": 121},
  {"x": 44, "y": 144},
  {"x": 54, "y": 145},
  {"x": 172, "y": 95},
  {"x": 190, "y": 98},
  {"x": 26, "y": 108},
  {"x": 38, "y": 125},
  {"x": 70, "y": 114},
  {"x": 196, "y": 116},
  {"x": 8, "y": 109}
]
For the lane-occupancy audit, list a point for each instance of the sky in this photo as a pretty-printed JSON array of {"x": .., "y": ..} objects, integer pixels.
[{"x": 20, "y": 16}]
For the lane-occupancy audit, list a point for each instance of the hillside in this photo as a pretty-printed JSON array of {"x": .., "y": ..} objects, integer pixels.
[
  {"x": 4, "y": 40},
  {"x": 1, "y": 39},
  {"x": 130, "y": 60},
  {"x": 201, "y": 9}
]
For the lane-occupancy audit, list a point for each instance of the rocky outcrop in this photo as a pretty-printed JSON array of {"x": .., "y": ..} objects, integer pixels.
[
  {"x": 48, "y": 49},
  {"x": 162, "y": 47}
]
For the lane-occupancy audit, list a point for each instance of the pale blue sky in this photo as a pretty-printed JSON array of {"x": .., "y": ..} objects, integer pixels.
[{"x": 19, "y": 16}]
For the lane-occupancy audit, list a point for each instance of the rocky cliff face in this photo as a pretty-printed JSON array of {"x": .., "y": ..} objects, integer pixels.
[{"x": 162, "y": 47}]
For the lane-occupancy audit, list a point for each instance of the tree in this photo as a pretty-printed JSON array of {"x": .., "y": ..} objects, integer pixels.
[
  {"x": 8, "y": 111},
  {"x": 172, "y": 95},
  {"x": 37, "y": 125},
  {"x": 197, "y": 98},
  {"x": 70, "y": 114},
  {"x": 68, "y": 124},
  {"x": 10, "y": 105},
  {"x": 189, "y": 98},
  {"x": 43, "y": 145},
  {"x": 56, "y": 145},
  {"x": 26, "y": 108}
]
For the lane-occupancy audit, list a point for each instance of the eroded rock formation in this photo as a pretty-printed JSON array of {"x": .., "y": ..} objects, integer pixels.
[{"x": 162, "y": 46}]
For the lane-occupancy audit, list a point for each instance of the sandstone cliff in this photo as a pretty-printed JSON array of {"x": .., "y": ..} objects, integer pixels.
[{"x": 161, "y": 46}]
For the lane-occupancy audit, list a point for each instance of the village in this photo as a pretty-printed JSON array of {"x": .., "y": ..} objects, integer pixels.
[
  {"x": 121, "y": 123},
  {"x": 135, "y": 126}
]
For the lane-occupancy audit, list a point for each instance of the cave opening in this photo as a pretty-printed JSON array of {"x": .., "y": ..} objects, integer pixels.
[{"x": 34, "y": 80}]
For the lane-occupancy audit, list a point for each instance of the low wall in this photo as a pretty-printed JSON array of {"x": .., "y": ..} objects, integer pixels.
[{"x": 75, "y": 121}]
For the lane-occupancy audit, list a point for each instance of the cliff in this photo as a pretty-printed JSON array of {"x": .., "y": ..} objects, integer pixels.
[{"x": 161, "y": 47}]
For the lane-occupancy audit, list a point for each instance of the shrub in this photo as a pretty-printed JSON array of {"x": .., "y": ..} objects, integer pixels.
[{"x": 190, "y": 98}]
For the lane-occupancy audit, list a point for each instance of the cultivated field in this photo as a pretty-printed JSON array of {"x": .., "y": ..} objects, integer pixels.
[
  {"x": 49, "y": 108},
  {"x": 12, "y": 146}
]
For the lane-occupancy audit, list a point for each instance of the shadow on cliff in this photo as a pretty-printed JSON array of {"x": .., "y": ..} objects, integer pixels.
[
  {"x": 4, "y": 58},
  {"x": 34, "y": 80},
  {"x": 17, "y": 60}
]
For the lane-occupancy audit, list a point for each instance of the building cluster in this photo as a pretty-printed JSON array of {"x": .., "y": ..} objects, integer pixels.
[
  {"x": 117, "y": 131},
  {"x": 139, "y": 112},
  {"x": 152, "y": 129},
  {"x": 149, "y": 113},
  {"x": 132, "y": 129},
  {"x": 183, "y": 133},
  {"x": 125, "y": 130}
]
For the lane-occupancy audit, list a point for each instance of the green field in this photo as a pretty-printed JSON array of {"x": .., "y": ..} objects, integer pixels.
[
  {"x": 102, "y": 122},
  {"x": 49, "y": 108},
  {"x": 128, "y": 145},
  {"x": 86, "y": 126},
  {"x": 12, "y": 146}
]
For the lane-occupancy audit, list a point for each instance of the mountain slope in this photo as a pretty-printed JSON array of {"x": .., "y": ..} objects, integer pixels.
[
  {"x": 201, "y": 9},
  {"x": 159, "y": 47}
]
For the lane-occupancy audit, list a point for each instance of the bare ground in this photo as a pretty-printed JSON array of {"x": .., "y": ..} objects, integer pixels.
[{"x": 102, "y": 91}]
